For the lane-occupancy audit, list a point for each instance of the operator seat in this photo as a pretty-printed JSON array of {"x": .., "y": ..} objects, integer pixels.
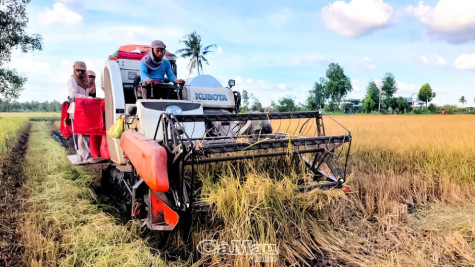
[
  {"x": 164, "y": 90},
  {"x": 137, "y": 89}
]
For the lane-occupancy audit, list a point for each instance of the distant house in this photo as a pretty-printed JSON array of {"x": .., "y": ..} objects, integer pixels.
[
  {"x": 414, "y": 102},
  {"x": 351, "y": 105}
]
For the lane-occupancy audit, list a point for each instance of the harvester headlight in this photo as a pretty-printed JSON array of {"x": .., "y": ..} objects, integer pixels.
[{"x": 231, "y": 83}]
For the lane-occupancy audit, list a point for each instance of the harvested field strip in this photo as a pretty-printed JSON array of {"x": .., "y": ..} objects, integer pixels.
[
  {"x": 11, "y": 180},
  {"x": 64, "y": 224}
]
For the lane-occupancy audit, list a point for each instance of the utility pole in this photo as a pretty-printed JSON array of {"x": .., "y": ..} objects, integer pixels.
[{"x": 379, "y": 104}]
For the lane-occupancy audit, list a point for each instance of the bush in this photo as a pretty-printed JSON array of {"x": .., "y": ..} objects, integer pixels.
[
  {"x": 418, "y": 110},
  {"x": 449, "y": 109}
]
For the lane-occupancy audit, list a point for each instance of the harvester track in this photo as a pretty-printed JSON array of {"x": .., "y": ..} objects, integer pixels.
[{"x": 114, "y": 194}]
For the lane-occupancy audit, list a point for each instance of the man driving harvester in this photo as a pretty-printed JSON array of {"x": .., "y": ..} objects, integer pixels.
[{"x": 153, "y": 68}]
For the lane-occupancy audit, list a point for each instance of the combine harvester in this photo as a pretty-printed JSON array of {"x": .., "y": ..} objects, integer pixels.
[{"x": 178, "y": 128}]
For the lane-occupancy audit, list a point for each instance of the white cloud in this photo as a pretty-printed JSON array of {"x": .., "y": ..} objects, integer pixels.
[
  {"x": 60, "y": 14},
  {"x": 131, "y": 8},
  {"x": 357, "y": 86},
  {"x": 264, "y": 85},
  {"x": 251, "y": 85},
  {"x": 465, "y": 62},
  {"x": 219, "y": 50},
  {"x": 259, "y": 86},
  {"x": 238, "y": 79},
  {"x": 128, "y": 35},
  {"x": 439, "y": 60},
  {"x": 144, "y": 34},
  {"x": 365, "y": 64},
  {"x": 432, "y": 59},
  {"x": 30, "y": 66},
  {"x": 277, "y": 96},
  {"x": 282, "y": 86},
  {"x": 424, "y": 59},
  {"x": 406, "y": 89},
  {"x": 46, "y": 81},
  {"x": 308, "y": 59},
  {"x": 358, "y": 17},
  {"x": 451, "y": 20},
  {"x": 267, "y": 91}
]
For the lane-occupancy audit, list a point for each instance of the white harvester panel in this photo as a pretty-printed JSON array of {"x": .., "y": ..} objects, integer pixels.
[
  {"x": 129, "y": 69},
  {"x": 210, "y": 97},
  {"x": 149, "y": 112}
]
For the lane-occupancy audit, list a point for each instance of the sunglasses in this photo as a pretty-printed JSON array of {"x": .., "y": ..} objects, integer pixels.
[
  {"x": 91, "y": 76},
  {"x": 160, "y": 50},
  {"x": 81, "y": 71}
]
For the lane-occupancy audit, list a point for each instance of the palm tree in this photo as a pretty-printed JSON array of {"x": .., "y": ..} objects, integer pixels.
[
  {"x": 194, "y": 51},
  {"x": 463, "y": 100}
]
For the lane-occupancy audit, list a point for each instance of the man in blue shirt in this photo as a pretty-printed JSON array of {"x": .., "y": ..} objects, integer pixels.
[{"x": 153, "y": 66}]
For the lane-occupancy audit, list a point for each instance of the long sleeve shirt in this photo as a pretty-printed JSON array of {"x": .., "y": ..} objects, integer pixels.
[
  {"x": 76, "y": 91},
  {"x": 158, "y": 74}
]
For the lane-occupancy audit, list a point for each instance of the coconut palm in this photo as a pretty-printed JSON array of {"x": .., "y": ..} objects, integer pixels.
[
  {"x": 194, "y": 51},
  {"x": 463, "y": 100}
]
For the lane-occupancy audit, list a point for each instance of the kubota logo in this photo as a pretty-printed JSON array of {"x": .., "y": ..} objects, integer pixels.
[{"x": 214, "y": 97}]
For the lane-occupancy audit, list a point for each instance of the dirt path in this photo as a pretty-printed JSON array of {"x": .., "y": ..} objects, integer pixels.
[{"x": 11, "y": 181}]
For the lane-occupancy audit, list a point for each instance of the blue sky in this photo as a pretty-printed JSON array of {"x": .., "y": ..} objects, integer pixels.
[{"x": 272, "y": 49}]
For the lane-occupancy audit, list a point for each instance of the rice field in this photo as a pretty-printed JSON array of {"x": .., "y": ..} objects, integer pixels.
[
  {"x": 410, "y": 174},
  {"x": 31, "y": 114},
  {"x": 12, "y": 123},
  {"x": 412, "y": 203},
  {"x": 10, "y": 127}
]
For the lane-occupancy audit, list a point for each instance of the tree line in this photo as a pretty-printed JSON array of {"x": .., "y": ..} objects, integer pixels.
[
  {"x": 33, "y": 106},
  {"x": 329, "y": 93}
]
